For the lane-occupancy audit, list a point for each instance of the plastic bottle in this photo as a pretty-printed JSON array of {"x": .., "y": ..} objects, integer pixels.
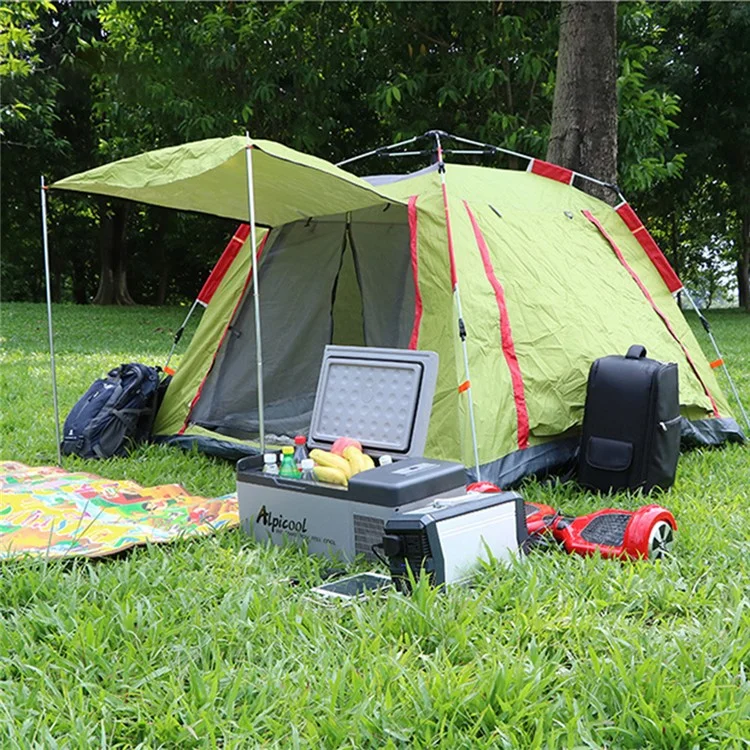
[
  {"x": 288, "y": 468},
  {"x": 300, "y": 450},
  {"x": 269, "y": 464},
  {"x": 307, "y": 470},
  {"x": 385, "y": 460}
]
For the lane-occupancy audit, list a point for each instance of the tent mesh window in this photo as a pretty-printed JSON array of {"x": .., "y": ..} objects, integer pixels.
[{"x": 343, "y": 279}]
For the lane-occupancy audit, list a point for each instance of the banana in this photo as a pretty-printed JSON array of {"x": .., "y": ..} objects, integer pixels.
[
  {"x": 330, "y": 475},
  {"x": 355, "y": 457},
  {"x": 324, "y": 458},
  {"x": 367, "y": 462}
]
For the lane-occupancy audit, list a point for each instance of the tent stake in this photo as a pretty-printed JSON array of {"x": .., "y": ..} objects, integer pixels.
[
  {"x": 256, "y": 298},
  {"x": 707, "y": 329},
  {"x": 45, "y": 243},
  {"x": 466, "y": 385}
]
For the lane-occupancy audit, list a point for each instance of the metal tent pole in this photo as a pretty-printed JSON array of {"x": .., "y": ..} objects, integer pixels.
[
  {"x": 500, "y": 149},
  {"x": 466, "y": 385},
  {"x": 53, "y": 368},
  {"x": 256, "y": 298},
  {"x": 707, "y": 329},
  {"x": 179, "y": 333},
  {"x": 496, "y": 149},
  {"x": 487, "y": 148},
  {"x": 378, "y": 151}
]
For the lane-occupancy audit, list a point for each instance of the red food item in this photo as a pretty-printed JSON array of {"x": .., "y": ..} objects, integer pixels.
[
  {"x": 483, "y": 487},
  {"x": 342, "y": 443}
]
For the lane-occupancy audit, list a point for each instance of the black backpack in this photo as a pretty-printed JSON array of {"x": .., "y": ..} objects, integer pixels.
[
  {"x": 631, "y": 424},
  {"x": 115, "y": 413}
]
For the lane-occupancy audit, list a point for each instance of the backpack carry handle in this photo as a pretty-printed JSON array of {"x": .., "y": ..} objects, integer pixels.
[{"x": 636, "y": 352}]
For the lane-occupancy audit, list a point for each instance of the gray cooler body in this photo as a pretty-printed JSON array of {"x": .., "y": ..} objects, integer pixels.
[{"x": 383, "y": 398}]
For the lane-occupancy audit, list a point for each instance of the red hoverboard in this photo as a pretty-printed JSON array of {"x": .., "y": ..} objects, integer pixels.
[{"x": 646, "y": 533}]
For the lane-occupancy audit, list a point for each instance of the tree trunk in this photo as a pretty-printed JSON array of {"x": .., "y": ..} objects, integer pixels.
[
  {"x": 743, "y": 264},
  {"x": 584, "y": 111},
  {"x": 113, "y": 284},
  {"x": 80, "y": 293},
  {"x": 56, "y": 292}
]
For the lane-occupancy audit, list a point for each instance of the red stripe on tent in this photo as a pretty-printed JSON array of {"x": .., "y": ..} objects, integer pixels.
[
  {"x": 630, "y": 217},
  {"x": 506, "y": 336},
  {"x": 451, "y": 255},
  {"x": 464, "y": 386},
  {"x": 647, "y": 242},
  {"x": 415, "y": 272},
  {"x": 553, "y": 171},
  {"x": 198, "y": 393},
  {"x": 716, "y": 363},
  {"x": 650, "y": 299},
  {"x": 659, "y": 260},
  {"x": 222, "y": 266}
]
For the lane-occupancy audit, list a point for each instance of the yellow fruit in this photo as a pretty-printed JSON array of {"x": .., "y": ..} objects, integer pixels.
[
  {"x": 324, "y": 458},
  {"x": 367, "y": 462},
  {"x": 355, "y": 457},
  {"x": 330, "y": 475}
]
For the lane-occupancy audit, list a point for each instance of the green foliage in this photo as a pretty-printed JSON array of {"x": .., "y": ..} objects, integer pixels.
[
  {"x": 705, "y": 60},
  {"x": 206, "y": 644},
  {"x": 100, "y": 81},
  {"x": 20, "y": 25},
  {"x": 52, "y": 138},
  {"x": 698, "y": 238},
  {"x": 646, "y": 112},
  {"x": 329, "y": 78}
]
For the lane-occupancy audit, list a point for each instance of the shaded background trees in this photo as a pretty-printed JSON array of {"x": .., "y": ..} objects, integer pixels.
[
  {"x": 705, "y": 60},
  {"x": 91, "y": 83}
]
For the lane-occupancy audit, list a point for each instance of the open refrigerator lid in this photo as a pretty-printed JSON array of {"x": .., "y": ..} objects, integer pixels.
[{"x": 381, "y": 397}]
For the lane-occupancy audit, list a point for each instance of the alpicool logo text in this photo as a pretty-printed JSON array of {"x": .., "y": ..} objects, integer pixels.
[{"x": 277, "y": 522}]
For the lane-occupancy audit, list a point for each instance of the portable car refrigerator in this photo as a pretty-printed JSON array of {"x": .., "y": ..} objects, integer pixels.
[{"x": 383, "y": 398}]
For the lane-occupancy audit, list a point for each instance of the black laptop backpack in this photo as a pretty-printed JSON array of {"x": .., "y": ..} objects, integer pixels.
[{"x": 631, "y": 424}]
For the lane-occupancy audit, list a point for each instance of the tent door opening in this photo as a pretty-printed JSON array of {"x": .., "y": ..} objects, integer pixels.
[{"x": 342, "y": 279}]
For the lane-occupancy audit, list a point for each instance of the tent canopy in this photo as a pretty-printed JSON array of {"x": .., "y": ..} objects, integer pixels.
[
  {"x": 551, "y": 278},
  {"x": 544, "y": 294},
  {"x": 210, "y": 177}
]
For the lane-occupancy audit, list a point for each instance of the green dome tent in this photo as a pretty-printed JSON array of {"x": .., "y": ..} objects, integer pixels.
[{"x": 550, "y": 279}]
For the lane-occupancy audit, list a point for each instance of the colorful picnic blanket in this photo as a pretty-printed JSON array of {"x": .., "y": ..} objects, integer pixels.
[{"x": 46, "y": 511}]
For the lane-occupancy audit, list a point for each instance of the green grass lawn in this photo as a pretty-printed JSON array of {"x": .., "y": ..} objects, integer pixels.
[{"x": 206, "y": 644}]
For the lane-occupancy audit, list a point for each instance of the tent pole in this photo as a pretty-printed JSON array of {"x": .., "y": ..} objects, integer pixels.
[
  {"x": 378, "y": 151},
  {"x": 256, "y": 298},
  {"x": 707, "y": 328},
  {"x": 212, "y": 282},
  {"x": 487, "y": 148},
  {"x": 495, "y": 149},
  {"x": 53, "y": 368},
  {"x": 179, "y": 333},
  {"x": 499, "y": 149},
  {"x": 464, "y": 387}
]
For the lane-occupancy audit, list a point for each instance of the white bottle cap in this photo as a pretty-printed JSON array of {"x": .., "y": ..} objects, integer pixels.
[
  {"x": 269, "y": 458},
  {"x": 385, "y": 460},
  {"x": 307, "y": 464}
]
